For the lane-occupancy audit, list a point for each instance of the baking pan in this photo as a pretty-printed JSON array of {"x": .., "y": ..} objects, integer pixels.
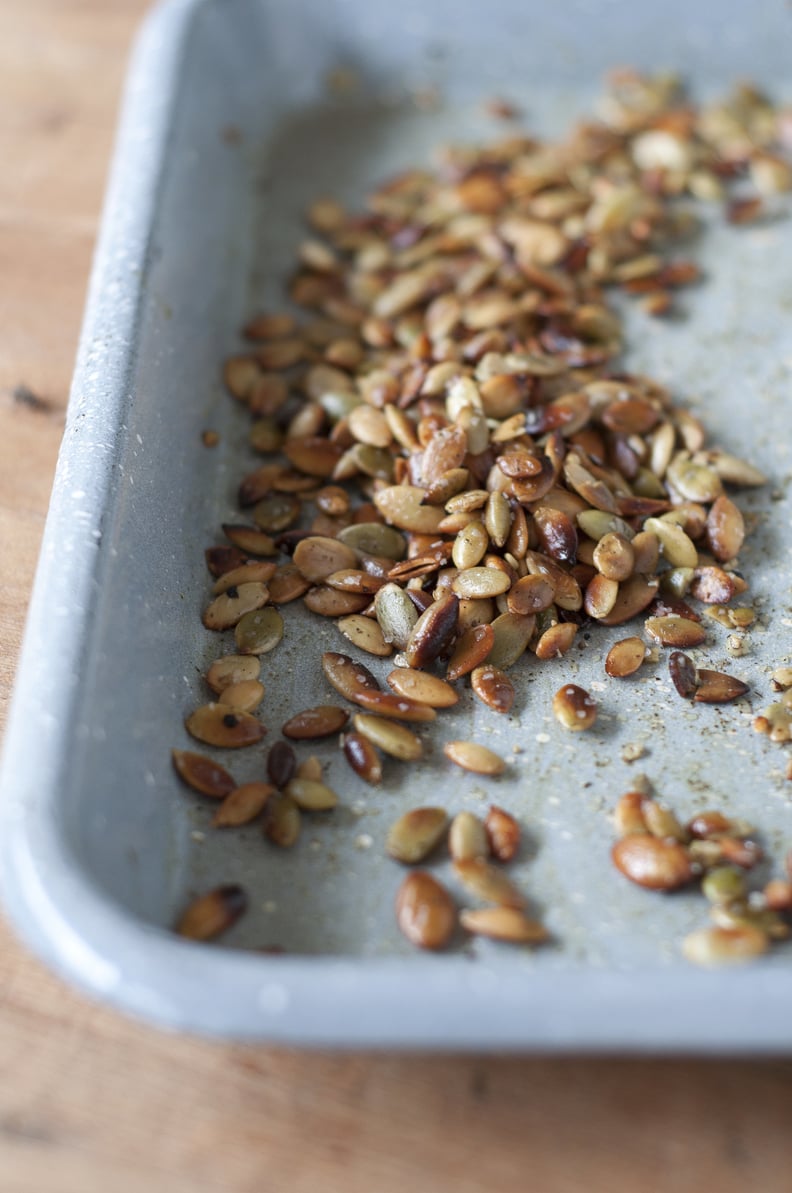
[{"x": 228, "y": 130}]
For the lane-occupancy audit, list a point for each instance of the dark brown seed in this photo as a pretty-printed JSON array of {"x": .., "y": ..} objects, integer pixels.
[
  {"x": 716, "y": 687},
  {"x": 493, "y": 687},
  {"x": 281, "y": 764},
  {"x": 213, "y": 913},
  {"x": 220, "y": 560},
  {"x": 683, "y": 674},
  {"x": 243, "y": 805},
  {"x": 203, "y": 774},
  {"x": 652, "y": 862},
  {"x": 322, "y": 721},
  {"x": 531, "y": 594},
  {"x": 503, "y": 833},
  {"x": 282, "y": 822},
  {"x": 433, "y": 631},
  {"x": 287, "y": 584},
  {"x": 470, "y": 650},
  {"x": 625, "y": 657},
  {"x": 346, "y": 675},
  {"x": 557, "y": 533},
  {"x": 329, "y": 602},
  {"x": 363, "y": 757},
  {"x": 425, "y": 911},
  {"x": 390, "y": 704}
]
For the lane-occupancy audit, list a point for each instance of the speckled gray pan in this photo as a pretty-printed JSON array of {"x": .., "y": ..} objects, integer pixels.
[{"x": 227, "y": 132}]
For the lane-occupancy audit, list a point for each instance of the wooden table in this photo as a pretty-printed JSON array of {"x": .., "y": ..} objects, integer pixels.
[{"x": 90, "y": 1102}]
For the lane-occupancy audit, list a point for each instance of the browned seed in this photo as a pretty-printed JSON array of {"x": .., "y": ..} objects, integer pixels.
[
  {"x": 269, "y": 327},
  {"x": 243, "y": 805},
  {"x": 390, "y": 704},
  {"x": 421, "y": 687},
  {"x": 503, "y": 833},
  {"x": 281, "y": 763},
  {"x": 503, "y": 923},
  {"x": 470, "y": 650},
  {"x": 346, "y": 675},
  {"x": 425, "y": 911},
  {"x": 220, "y": 560},
  {"x": 392, "y": 738},
  {"x": 556, "y": 640},
  {"x": 433, "y": 631},
  {"x": 740, "y": 852},
  {"x": 249, "y": 539},
  {"x": 662, "y": 822},
  {"x": 362, "y": 756},
  {"x": 625, "y": 657},
  {"x": 716, "y": 687},
  {"x": 310, "y": 795},
  {"x": 614, "y": 556},
  {"x": 683, "y": 674},
  {"x": 744, "y": 210},
  {"x": 258, "y": 632},
  {"x": 511, "y": 634},
  {"x": 244, "y": 696},
  {"x": 600, "y": 597},
  {"x": 313, "y": 455},
  {"x": 253, "y": 570},
  {"x": 322, "y": 721},
  {"x": 628, "y": 815},
  {"x": 217, "y": 725},
  {"x": 226, "y": 610},
  {"x": 415, "y": 834},
  {"x": 725, "y": 529},
  {"x": 332, "y": 500},
  {"x": 202, "y": 774},
  {"x": 646, "y": 552},
  {"x": 675, "y": 631},
  {"x": 474, "y": 757},
  {"x": 282, "y": 820},
  {"x": 725, "y": 946},
  {"x": 652, "y": 862},
  {"x": 493, "y": 687},
  {"x": 317, "y": 557},
  {"x": 329, "y": 602},
  {"x": 557, "y": 533},
  {"x": 232, "y": 669},
  {"x": 310, "y": 768},
  {"x": 712, "y": 823},
  {"x": 479, "y": 582},
  {"x": 712, "y": 585},
  {"x": 778, "y": 894},
  {"x": 402, "y": 506},
  {"x": 213, "y": 913},
  {"x": 355, "y": 580},
  {"x": 365, "y": 633},
  {"x": 574, "y": 708},
  {"x": 634, "y": 596},
  {"x": 489, "y": 883},
  {"x": 531, "y": 594},
  {"x": 467, "y": 837}
]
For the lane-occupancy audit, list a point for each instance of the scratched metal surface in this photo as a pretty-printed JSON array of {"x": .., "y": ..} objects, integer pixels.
[{"x": 102, "y": 846}]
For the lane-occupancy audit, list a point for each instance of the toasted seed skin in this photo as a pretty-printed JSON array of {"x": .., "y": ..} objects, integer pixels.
[
  {"x": 625, "y": 657},
  {"x": 217, "y": 725},
  {"x": 243, "y": 805},
  {"x": 366, "y": 634},
  {"x": 725, "y": 946},
  {"x": 474, "y": 757},
  {"x": 433, "y": 631},
  {"x": 471, "y": 649},
  {"x": 503, "y": 833},
  {"x": 421, "y": 687},
  {"x": 416, "y": 834},
  {"x": 503, "y": 923},
  {"x": 232, "y": 669},
  {"x": 679, "y": 632},
  {"x": 425, "y": 911},
  {"x": 574, "y": 708},
  {"x": 487, "y": 882},
  {"x": 281, "y": 764},
  {"x": 310, "y": 795},
  {"x": 716, "y": 687},
  {"x": 203, "y": 774},
  {"x": 322, "y": 721},
  {"x": 282, "y": 821},
  {"x": 683, "y": 674},
  {"x": 531, "y": 594},
  {"x": 493, "y": 687},
  {"x": 392, "y": 738},
  {"x": 467, "y": 837},
  {"x": 213, "y": 913},
  {"x": 653, "y": 863},
  {"x": 362, "y": 756}
]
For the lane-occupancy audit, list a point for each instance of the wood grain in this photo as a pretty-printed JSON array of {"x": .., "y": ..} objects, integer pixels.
[{"x": 91, "y": 1102}]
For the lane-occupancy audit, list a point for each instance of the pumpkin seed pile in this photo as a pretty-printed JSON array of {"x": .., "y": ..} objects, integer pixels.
[{"x": 459, "y": 468}]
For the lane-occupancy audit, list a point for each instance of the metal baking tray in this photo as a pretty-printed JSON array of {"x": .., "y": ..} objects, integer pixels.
[{"x": 228, "y": 130}]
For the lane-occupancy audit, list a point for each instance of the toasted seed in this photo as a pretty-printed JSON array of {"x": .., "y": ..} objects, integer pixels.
[
  {"x": 346, "y": 675},
  {"x": 253, "y": 570},
  {"x": 661, "y": 821},
  {"x": 365, "y": 633},
  {"x": 374, "y": 538},
  {"x": 677, "y": 548},
  {"x": 646, "y": 553},
  {"x": 724, "y": 946},
  {"x": 683, "y": 674},
  {"x": 276, "y": 512},
  {"x": 213, "y": 913},
  {"x": 317, "y": 557},
  {"x": 415, "y": 834},
  {"x": 493, "y": 687},
  {"x": 634, "y": 595},
  {"x": 471, "y": 649},
  {"x": 226, "y": 609},
  {"x": 778, "y": 894},
  {"x": 244, "y": 696},
  {"x": 391, "y": 737},
  {"x": 625, "y": 657},
  {"x": 322, "y": 721},
  {"x": 712, "y": 823},
  {"x": 503, "y": 833},
  {"x": 488, "y": 882},
  {"x": 330, "y": 602},
  {"x": 716, "y": 687},
  {"x": 310, "y": 795},
  {"x": 249, "y": 539},
  {"x": 220, "y": 560},
  {"x": 652, "y": 862},
  {"x": 511, "y": 634},
  {"x": 712, "y": 585},
  {"x": 600, "y": 597},
  {"x": 243, "y": 805},
  {"x": 675, "y": 631},
  {"x": 203, "y": 774},
  {"x": 281, "y": 763},
  {"x": 628, "y": 815},
  {"x": 556, "y": 640},
  {"x": 355, "y": 580},
  {"x": 503, "y": 923},
  {"x": 425, "y": 911},
  {"x": 390, "y": 704},
  {"x": 574, "y": 708},
  {"x": 421, "y": 687},
  {"x": 312, "y": 455},
  {"x": 217, "y": 725},
  {"x": 740, "y": 915},
  {"x": 481, "y": 582},
  {"x": 498, "y": 518},
  {"x": 724, "y": 884},
  {"x": 433, "y": 631},
  {"x": 694, "y": 481},
  {"x": 531, "y": 594},
  {"x": 259, "y": 632},
  {"x": 470, "y": 545},
  {"x": 474, "y": 757},
  {"x": 282, "y": 821},
  {"x": 363, "y": 757},
  {"x": 401, "y": 505},
  {"x": 725, "y": 529},
  {"x": 310, "y": 768},
  {"x": 614, "y": 557},
  {"x": 396, "y": 615},
  {"x": 467, "y": 837}
]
